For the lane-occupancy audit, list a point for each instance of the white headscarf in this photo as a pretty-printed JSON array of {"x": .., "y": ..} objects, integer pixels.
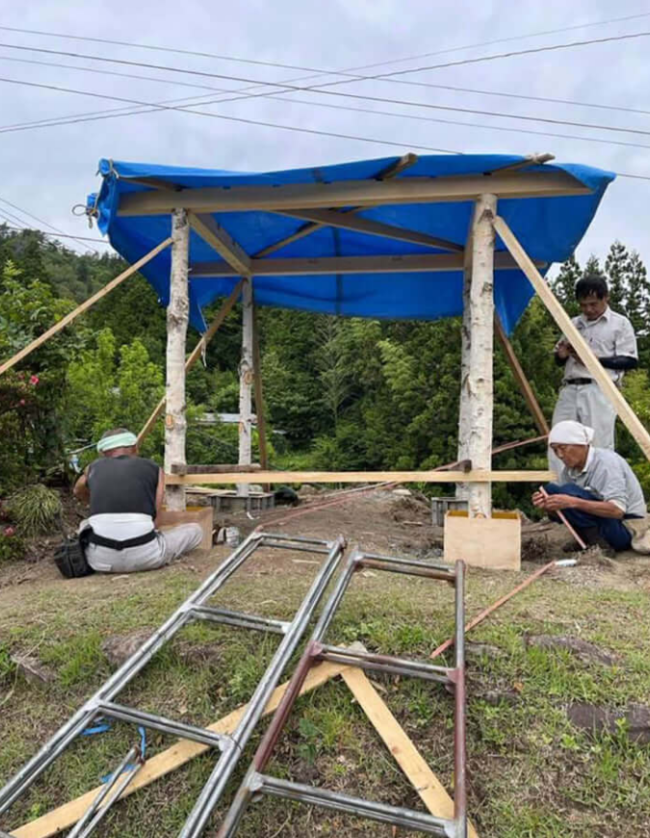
[{"x": 570, "y": 433}]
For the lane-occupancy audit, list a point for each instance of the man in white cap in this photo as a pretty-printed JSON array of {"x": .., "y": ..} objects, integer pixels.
[
  {"x": 126, "y": 493},
  {"x": 597, "y": 490}
]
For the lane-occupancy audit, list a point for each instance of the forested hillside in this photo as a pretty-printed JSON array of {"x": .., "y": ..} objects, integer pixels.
[{"x": 341, "y": 393}]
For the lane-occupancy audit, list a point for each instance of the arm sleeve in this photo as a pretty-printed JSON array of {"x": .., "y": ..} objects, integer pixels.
[
  {"x": 561, "y": 362},
  {"x": 626, "y": 342},
  {"x": 612, "y": 486},
  {"x": 620, "y": 362}
]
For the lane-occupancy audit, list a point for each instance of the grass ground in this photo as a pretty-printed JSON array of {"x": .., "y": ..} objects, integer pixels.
[{"x": 531, "y": 772}]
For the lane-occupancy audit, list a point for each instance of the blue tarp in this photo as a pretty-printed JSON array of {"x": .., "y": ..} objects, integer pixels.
[{"x": 549, "y": 229}]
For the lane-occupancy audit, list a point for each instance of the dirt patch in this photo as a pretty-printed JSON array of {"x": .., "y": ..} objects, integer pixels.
[
  {"x": 634, "y": 720},
  {"x": 586, "y": 652}
]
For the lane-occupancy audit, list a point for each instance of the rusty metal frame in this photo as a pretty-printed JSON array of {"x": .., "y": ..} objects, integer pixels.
[{"x": 256, "y": 782}]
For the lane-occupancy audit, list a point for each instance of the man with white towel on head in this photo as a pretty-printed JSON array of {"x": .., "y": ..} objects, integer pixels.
[
  {"x": 126, "y": 494},
  {"x": 597, "y": 490}
]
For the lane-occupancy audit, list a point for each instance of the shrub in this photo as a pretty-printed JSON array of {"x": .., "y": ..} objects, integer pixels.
[
  {"x": 12, "y": 547},
  {"x": 35, "y": 509}
]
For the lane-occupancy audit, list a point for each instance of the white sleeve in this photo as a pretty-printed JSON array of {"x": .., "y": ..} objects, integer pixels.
[{"x": 626, "y": 340}]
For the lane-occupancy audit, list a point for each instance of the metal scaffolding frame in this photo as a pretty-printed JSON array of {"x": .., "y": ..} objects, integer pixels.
[
  {"x": 257, "y": 782},
  {"x": 194, "y": 608}
]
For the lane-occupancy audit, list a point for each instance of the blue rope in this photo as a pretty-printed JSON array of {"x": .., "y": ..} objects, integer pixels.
[{"x": 103, "y": 727}]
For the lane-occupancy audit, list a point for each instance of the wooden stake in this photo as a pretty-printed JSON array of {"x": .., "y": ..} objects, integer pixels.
[
  {"x": 163, "y": 763},
  {"x": 431, "y": 791},
  {"x": 564, "y": 322},
  {"x": 520, "y": 377},
  {"x": 41, "y": 339},
  {"x": 195, "y": 354},
  {"x": 480, "y": 386},
  {"x": 177, "y": 319},
  {"x": 259, "y": 393},
  {"x": 246, "y": 377}
]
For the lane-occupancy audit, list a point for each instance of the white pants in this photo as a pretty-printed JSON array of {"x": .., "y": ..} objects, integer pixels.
[
  {"x": 160, "y": 551},
  {"x": 587, "y": 404}
]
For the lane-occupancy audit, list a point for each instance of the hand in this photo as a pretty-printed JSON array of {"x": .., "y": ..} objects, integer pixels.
[
  {"x": 553, "y": 503},
  {"x": 564, "y": 349},
  {"x": 539, "y": 500}
]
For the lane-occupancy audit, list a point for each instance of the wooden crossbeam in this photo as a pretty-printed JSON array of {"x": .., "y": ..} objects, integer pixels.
[
  {"x": 365, "y": 477},
  {"x": 348, "y": 221},
  {"x": 408, "y": 263},
  {"x": 415, "y": 190},
  {"x": 221, "y": 241},
  {"x": 584, "y": 350}
]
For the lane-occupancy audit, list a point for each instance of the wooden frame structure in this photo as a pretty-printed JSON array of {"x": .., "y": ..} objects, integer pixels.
[{"x": 338, "y": 205}]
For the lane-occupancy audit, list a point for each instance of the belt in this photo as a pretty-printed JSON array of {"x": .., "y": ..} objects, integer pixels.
[
  {"x": 111, "y": 543},
  {"x": 579, "y": 381}
]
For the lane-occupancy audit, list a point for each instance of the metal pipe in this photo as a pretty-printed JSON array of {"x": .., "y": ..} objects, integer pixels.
[
  {"x": 450, "y": 569},
  {"x": 169, "y": 726},
  {"x": 329, "y": 609},
  {"x": 419, "y": 570},
  {"x": 76, "y": 831},
  {"x": 235, "y": 618},
  {"x": 213, "y": 789},
  {"x": 382, "y": 812},
  {"x": 101, "y": 813},
  {"x": 460, "y": 743},
  {"x": 384, "y": 663}
]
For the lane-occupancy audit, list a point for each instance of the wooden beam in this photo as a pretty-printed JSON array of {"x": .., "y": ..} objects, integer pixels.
[
  {"x": 348, "y": 221},
  {"x": 366, "y": 477},
  {"x": 259, "y": 393},
  {"x": 39, "y": 341},
  {"x": 195, "y": 354},
  {"x": 183, "y": 468},
  {"x": 389, "y": 172},
  {"x": 520, "y": 377},
  {"x": 177, "y": 320},
  {"x": 416, "y": 190},
  {"x": 431, "y": 791},
  {"x": 564, "y": 322},
  {"x": 167, "y": 761},
  {"x": 407, "y": 263},
  {"x": 221, "y": 241}
]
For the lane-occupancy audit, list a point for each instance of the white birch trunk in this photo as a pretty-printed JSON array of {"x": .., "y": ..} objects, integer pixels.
[
  {"x": 177, "y": 319},
  {"x": 462, "y": 489},
  {"x": 246, "y": 384},
  {"x": 480, "y": 384}
]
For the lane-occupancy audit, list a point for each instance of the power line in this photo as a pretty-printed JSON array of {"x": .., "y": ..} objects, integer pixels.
[
  {"x": 39, "y": 220},
  {"x": 381, "y": 99},
  {"x": 54, "y": 235}
]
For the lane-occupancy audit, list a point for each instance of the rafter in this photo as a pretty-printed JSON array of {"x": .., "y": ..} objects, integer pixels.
[{"x": 222, "y": 242}]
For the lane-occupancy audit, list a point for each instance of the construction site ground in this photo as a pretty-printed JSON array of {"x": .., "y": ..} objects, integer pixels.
[{"x": 577, "y": 641}]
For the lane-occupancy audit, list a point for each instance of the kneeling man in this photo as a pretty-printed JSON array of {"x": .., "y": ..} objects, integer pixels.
[
  {"x": 597, "y": 489},
  {"x": 126, "y": 493}
]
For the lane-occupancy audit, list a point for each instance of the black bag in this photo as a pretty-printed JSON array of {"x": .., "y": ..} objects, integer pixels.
[{"x": 70, "y": 556}]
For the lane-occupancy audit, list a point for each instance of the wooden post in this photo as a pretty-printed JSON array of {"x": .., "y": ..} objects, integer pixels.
[
  {"x": 520, "y": 377},
  {"x": 462, "y": 489},
  {"x": 564, "y": 322},
  {"x": 177, "y": 319},
  {"x": 259, "y": 393},
  {"x": 40, "y": 340},
  {"x": 246, "y": 382},
  {"x": 480, "y": 318},
  {"x": 210, "y": 332}
]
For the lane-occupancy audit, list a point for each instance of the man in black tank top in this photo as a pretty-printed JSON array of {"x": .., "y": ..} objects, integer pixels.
[{"x": 125, "y": 493}]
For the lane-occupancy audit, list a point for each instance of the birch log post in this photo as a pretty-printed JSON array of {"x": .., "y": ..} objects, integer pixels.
[
  {"x": 246, "y": 382},
  {"x": 480, "y": 385},
  {"x": 462, "y": 489},
  {"x": 177, "y": 319}
]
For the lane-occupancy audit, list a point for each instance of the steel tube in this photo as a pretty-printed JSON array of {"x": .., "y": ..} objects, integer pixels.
[
  {"x": 382, "y": 812},
  {"x": 305, "y": 548},
  {"x": 222, "y": 771},
  {"x": 414, "y": 570},
  {"x": 460, "y": 744},
  {"x": 101, "y": 813},
  {"x": 385, "y": 663},
  {"x": 329, "y": 609},
  {"x": 235, "y": 618},
  {"x": 76, "y": 831},
  {"x": 447, "y": 568},
  {"x": 169, "y": 726}
]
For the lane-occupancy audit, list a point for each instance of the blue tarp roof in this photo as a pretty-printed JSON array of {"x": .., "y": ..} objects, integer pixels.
[{"x": 549, "y": 229}]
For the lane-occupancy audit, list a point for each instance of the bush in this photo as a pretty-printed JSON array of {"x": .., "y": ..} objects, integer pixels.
[
  {"x": 35, "y": 509},
  {"x": 12, "y": 547}
]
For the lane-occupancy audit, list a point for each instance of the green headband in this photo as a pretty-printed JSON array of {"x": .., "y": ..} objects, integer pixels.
[{"x": 123, "y": 440}]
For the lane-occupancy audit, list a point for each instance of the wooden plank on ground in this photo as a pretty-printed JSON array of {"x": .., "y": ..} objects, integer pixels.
[
  {"x": 365, "y": 477},
  {"x": 163, "y": 763},
  {"x": 432, "y": 793}
]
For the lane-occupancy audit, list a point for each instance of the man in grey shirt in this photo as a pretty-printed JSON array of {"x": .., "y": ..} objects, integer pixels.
[
  {"x": 597, "y": 489},
  {"x": 611, "y": 337}
]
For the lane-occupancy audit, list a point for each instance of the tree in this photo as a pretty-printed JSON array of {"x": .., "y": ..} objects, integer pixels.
[
  {"x": 617, "y": 269},
  {"x": 564, "y": 283}
]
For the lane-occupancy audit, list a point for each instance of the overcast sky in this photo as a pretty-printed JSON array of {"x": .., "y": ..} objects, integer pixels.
[{"x": 47, "y": 170}]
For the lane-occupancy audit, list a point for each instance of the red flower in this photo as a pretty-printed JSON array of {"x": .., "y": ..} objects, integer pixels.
[
  {"x": 34, "y": 379},
  {"x": 9, "y": 531},
  {"x": 22, "y": 402}
]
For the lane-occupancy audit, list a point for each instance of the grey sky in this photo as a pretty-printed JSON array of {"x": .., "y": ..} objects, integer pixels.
[{"x": 47, "y": 170}]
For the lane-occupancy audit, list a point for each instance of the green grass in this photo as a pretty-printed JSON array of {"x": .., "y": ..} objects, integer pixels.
[{"x": 531, "y": 772}]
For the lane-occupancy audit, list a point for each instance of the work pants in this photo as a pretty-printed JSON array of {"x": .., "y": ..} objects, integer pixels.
[
  {"x": 587, "y": 404},
  {"x": 167, "y": 545},
  {"x": 612, "y": 530}
]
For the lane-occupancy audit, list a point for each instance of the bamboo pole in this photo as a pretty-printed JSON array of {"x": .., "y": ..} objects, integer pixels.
[
  {"x": 564, "y": 322},
  {"x": 177, "y": 320},
  {"x": 520, "y": 377},
  {"x": 39, "y": 341},
  {"x": 210, "y": 332}
]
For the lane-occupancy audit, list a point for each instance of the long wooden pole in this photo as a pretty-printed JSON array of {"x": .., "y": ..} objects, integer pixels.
[
  {"x": 177, "y": 320},
  {"x": 611, "y": 391},
  {"x": 41, "y": 339},
  {"x": 520, "y": 377},
  {"x": 246, "y": 376},
  {"x": 432, "y": 476},
  {"x": 259, "y": 393},
  {"x": 195, "y": 354}
]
